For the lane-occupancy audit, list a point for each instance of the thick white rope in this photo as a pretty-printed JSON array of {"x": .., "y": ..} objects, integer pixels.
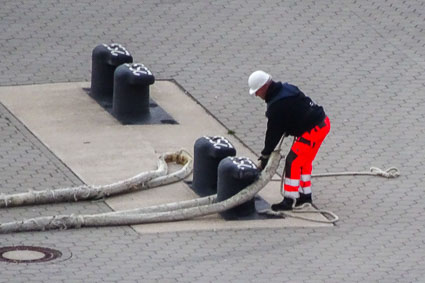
[
  {"x": 142, "y": 181},
  {"x": 161, "y": 213},
  {"x": 167, "y": 207},
  {"x": 171, "y": 211}
]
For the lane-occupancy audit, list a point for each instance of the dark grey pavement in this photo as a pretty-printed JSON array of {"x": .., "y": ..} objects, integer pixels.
[{"x": 364, "y": 61}]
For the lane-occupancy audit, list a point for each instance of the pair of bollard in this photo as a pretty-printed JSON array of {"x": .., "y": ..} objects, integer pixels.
[
  {"x": 216, "y": 170},
  {"x": 119, "y": 82}
]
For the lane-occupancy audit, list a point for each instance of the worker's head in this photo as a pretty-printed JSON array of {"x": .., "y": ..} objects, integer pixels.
[{"x": 258, "y": 83}]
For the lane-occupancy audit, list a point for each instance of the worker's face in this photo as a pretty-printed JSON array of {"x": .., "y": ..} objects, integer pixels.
[{"x": 261, "y": 93}]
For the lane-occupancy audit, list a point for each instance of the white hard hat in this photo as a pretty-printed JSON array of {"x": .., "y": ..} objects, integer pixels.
[{"x": 256, "y": 80}]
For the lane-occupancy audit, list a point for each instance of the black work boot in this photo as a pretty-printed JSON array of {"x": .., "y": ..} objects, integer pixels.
[
  {"x": 285, "y": 204},
  {"x": 304, "y": 198}
]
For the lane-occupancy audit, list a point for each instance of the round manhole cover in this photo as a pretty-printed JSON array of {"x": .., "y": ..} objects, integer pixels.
[{"x": 28, "y": 254}]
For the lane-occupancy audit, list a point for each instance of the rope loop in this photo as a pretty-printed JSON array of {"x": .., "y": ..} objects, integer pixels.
[
  {"x": 391, "y": 172},
  {"x": 296, "y": 212}
]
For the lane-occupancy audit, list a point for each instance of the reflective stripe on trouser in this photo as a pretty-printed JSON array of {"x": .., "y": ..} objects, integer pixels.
[
  {"x": 291, "y": 188},
  {"x": 305, "y": 183},
  {"x": 299, "y": 160}
]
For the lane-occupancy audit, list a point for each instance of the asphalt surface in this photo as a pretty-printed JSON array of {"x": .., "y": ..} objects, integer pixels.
[{"x": 364, "y": 61}]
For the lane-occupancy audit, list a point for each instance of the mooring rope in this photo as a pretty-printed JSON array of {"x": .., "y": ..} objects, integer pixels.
[
  {"x": 305, "y": 208},
  {"x": 391, "y": 172},
  {"x": 172, "y": 211},
  {"x": 141, "y": 181},
  {"x": 160, "y": 213}
]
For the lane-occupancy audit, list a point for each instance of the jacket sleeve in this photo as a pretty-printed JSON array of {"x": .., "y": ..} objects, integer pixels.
[{"x": 273, "y": 134}]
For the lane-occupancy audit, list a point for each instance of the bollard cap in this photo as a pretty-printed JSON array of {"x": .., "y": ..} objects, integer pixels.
[
  {"x": 241, "y": 168},
  {"x": 135, "y": 73},
  {"x": 113, "y": 54},
  {"x": 219, "y": 147}
]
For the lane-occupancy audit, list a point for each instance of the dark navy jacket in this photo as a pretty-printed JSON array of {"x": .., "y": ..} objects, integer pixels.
[{"x": 289, "y": 111}]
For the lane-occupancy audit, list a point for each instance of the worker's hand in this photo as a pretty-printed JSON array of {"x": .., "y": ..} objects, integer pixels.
[{"x": 262, "y": 162}]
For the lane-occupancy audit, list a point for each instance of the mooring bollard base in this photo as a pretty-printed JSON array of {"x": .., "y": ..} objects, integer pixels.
[
  {"x": 260, "y": 204},
  {"x": 234, "y": 175},
  {"x": 251, "y": 213},
  {"x": 157, "y": 115},
  {"x": 200, "y": 192}
]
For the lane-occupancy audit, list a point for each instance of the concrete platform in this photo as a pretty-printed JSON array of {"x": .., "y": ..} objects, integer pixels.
[{"x": 100, "y": 150}]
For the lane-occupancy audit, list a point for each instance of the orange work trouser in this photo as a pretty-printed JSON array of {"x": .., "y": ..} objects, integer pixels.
[{"x": 299, "y": 161}]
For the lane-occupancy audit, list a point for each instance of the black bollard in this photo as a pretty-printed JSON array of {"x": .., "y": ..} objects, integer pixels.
[
  {"x": 131, "y": 92},
  {"x": 234, "y": 175},
  {"x": 105, "y": 59},
  {"x": 208, "y": 152}
]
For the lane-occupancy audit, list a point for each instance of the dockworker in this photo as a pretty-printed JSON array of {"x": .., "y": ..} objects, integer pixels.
[{"x": 290, "y": 112}]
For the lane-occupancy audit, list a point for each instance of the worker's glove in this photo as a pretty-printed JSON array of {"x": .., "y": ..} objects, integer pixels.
[{"x": 263, "y": 159}]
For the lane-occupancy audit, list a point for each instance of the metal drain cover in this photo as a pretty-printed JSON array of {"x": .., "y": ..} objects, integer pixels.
[{"x": 28, "y": 254}]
